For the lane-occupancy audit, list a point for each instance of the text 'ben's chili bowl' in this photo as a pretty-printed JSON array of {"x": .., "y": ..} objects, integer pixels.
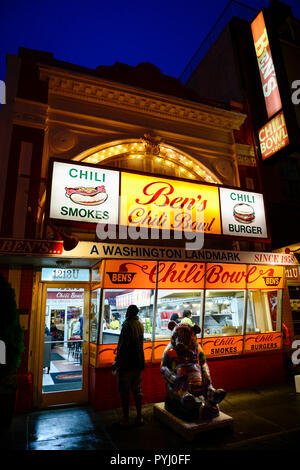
[
  {"x": 144, "y": 274},
  {"x": 169, "y": 204}
]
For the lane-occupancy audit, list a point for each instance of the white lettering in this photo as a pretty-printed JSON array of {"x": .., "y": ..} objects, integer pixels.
[
  {"x": 296, "y": 354},
  {"x": 296, "y": 94},
  {"x": 2, "y": 92},
  {"x": 2, "y": 352}
]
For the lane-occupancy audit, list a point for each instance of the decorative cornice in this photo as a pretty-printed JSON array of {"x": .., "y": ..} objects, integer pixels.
[{"x": 99, "y": 91}]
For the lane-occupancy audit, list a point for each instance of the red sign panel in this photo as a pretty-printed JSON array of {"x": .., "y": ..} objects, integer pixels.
[
  {"x": 273, "y": 136},
  {"x": 266, "y": 65}
]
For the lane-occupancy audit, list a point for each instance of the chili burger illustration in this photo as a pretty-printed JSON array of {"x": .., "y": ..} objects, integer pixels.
[
  {"x": 244, "y": 213},
  {"x": 87, "y": 196}
]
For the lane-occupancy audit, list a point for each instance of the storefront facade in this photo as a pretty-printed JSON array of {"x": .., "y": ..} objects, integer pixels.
[{"x": 84, "y": 152}]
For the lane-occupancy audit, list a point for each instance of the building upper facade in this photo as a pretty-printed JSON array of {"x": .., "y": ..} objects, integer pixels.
[{"x": 121, "y": 116}]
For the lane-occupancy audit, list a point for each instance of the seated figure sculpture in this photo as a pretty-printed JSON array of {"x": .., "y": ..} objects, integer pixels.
[{"x": 188, "y": 381}]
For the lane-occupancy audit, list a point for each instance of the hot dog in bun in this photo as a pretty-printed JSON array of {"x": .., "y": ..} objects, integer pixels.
[{"x": 87, "y": 196}]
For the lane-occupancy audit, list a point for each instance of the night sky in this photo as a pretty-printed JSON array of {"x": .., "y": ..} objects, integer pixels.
[{"x": 91, "y": 33}]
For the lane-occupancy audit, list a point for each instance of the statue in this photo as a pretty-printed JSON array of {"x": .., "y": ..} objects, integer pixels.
[{"x": 190, "y": 393}]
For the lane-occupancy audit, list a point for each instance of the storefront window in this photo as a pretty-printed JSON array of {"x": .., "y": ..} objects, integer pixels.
[
  {"x": 264, "y": 311},
  {"x": 116, "y": 302},
  {"x": 171, "y": 302},
  {"x": 224, "y": 312},
  {"x": 94, "y": 314}
]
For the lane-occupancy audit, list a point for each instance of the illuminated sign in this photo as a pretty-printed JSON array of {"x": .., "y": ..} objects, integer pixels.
[
  {"x": 222, "y": 346},
  {"x": 172, "y": 275},
  {"x": 263, "y": 342},
  {"x": 243, "y": 213},
  {"x": 162, "y": 203},
  {"x": 101, "y": 250},
  {"x": 61, "y": 274},
  {"x": 142, "y": 204},
  {"x": 266, "y": 65},
  {"x": 273, "y": 136},
  {"x": 84, "y": 193}
]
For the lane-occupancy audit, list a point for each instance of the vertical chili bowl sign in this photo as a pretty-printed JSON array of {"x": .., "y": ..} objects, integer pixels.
[
  {"x": 84, "y": 194},
  {"x": 243, "y": 213}
]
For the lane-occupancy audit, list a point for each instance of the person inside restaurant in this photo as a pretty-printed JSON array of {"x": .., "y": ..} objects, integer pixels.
[
  {"x": 186, "y": 317},
  {"x": 114, "y": 324}
]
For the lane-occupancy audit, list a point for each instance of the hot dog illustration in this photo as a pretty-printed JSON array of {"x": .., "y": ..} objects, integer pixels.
[{"x": 87, "y": 196}]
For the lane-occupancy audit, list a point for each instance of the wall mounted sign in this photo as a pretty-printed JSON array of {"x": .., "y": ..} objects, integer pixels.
[
  {"x": 292, "y": 273},
  {"x": 163, "y": 203},
  {"x": 243, "y": 213},
  {"x": 84, "y": 193},
  {"x": 18, "y": 246},
  {"x": 263, "y": 342},
  {"x": 100, "y": 250},
  {"x": 273, "y": 136},
  {"x": 266, "y": 65},
  {"x": 223, "y": 345},
  {"x": 180, "y": 275},
  {"x": 69, "y": 274}
]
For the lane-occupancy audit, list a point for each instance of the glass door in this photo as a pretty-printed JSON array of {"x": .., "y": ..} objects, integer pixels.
[{"x": 64, "y": 344}]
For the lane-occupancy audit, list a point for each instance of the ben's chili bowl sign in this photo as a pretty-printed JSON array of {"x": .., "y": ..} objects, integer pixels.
[
  {"x": 84, "y": 194},
  {"x": 141, "y": 274},
  {"x": 243, "y": 213},
  {"x": 273, "y": 136},
  {"x": 266, "y": 66},
  {"x": 161, "y": 203}
]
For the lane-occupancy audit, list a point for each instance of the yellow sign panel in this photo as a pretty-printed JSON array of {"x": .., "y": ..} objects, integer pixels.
[{"x": 162, "y": 203}]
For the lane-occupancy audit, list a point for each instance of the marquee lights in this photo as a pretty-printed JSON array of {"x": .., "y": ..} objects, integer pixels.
[{"x": 136, "y": 151}]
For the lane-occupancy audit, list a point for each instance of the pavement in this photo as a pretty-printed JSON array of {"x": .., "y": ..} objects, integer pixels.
[{"x": 265, "y": 419}]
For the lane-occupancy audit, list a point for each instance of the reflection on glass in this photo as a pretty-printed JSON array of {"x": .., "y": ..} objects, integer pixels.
[
  {"x": 170, "y": 302},
  {"x": 224, "y": 312},
  {"x": 62, "y": 366},
  {"x": 94, "y": 314},
  {"x": 116, "y": 302},
  {"x": 263, "y": 311}
]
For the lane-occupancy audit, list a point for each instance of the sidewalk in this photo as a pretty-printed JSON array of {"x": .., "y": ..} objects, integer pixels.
[{"x": 264, "y": 419}]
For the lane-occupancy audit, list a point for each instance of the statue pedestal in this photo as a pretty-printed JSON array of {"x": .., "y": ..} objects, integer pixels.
[{"x": 188, "y": 430}]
